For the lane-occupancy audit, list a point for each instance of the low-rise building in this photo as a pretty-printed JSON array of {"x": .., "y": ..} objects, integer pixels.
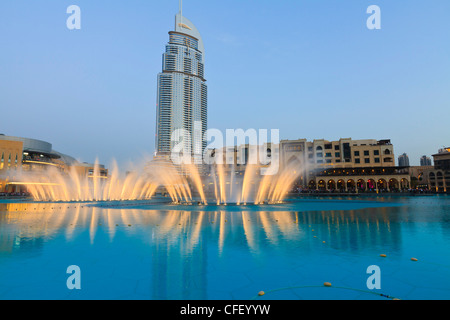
[
  {"x": 345, "y": 164},
  {"x": 10, "y": 161},
  {"x": 439, "y": 177},
  {"x": 31, "y": 156},
  {"x": 433, "y": 178},
  {"x": 419, "y": 177}
]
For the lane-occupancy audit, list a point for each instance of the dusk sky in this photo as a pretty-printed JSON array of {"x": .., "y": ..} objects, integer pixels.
[{"x": 310, "y": 68}]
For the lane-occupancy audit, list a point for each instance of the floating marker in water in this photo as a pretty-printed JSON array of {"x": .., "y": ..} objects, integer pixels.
[
  {"x": 414, "y": 259},
  {"x": 327, "y": 284},
  {"x": 261, "y": 293},
  {"x": 383, "y": 255}
]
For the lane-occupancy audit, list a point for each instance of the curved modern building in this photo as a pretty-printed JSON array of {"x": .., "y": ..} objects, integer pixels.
[
  {"x": 18, "y": 155},
  {"x": 31, "y": 145},
  {"x": 18, "y": 151},
  {"x": 182, "y": 91}
]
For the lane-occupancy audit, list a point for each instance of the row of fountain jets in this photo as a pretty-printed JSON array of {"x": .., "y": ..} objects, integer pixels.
[{"x": 221, "y": 186}]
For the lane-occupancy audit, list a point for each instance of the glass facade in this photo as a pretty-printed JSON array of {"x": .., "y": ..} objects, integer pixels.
[{"x": 182, "y": 91}]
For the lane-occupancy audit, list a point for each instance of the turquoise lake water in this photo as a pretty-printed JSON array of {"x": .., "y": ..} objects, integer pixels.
[{"x": 159, "y": 251}]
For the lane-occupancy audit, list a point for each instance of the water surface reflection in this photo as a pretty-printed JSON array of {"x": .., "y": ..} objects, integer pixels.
[{"x": 179, "y": 254}]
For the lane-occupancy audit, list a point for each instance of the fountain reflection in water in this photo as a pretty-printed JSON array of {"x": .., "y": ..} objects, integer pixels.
[{"x": 223, "y": 185}]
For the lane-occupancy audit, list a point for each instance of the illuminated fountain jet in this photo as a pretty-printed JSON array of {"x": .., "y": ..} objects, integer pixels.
[{"x": 222, "y": 186}]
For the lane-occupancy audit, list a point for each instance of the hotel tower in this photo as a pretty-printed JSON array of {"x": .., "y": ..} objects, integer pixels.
[{"x": 182, "y": 91}]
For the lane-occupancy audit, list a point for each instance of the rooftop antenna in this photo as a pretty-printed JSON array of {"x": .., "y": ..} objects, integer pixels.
[{"x": 181, "y": 11}]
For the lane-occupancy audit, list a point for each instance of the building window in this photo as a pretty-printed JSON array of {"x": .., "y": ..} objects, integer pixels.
[
  {"x": 357, "y": 161},
  {"x": 366, "y": 160},
  {"x": 336, "y": 147},
  {"x": 347, "y": 152},
  {"x": 356, "y": 153},
  {"x": 366, "y": 152},
  {"x": 376, "y": 152},
  {"x": 328, "y": 154},
  {"x": 328, "y": 146},
  {"x": 319, "y": 154},
  {"x": 337, "y": 154},
  {"x": 377, "y": 160}
]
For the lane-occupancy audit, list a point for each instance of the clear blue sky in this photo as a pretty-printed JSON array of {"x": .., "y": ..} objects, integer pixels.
[{"x": 310, "y": 68}]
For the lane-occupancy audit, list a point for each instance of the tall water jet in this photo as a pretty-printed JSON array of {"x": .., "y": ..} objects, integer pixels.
[
  {"x": 284, "y": 182},
  {"x": 222, "y": 183},
  {"x": 181, "y": 183},
  {"x": 249, "y": 177},
  {"x": 195, "y": 177}
]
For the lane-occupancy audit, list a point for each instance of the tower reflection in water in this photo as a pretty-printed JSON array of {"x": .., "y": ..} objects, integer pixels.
[{"x": 183, "y": 247}]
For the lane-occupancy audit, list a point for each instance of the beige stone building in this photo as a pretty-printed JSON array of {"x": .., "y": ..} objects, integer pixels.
[
  {"x": 10, "y": 161},
  {"x": 345, "y": 164},
  {"x": 433, "y": 178},
  {"x": 375, "y": 179},
  {"x": 439, "y": 177},
  {"x": 419, "y": 176},
  {"x": 344, "y": 153}
]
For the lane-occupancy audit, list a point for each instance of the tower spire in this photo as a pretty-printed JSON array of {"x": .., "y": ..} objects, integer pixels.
[{"x": 181, "y": 11}]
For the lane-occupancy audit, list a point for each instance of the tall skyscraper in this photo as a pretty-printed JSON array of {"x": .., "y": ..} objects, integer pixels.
[
  {"x": 425, "y": 161},
  {"x": 182, "y": 91},
  {"x": 403, "y": 160}
]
